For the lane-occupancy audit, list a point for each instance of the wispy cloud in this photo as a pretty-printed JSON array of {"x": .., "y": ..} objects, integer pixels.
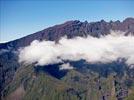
[{"x": 66, "y": 66}]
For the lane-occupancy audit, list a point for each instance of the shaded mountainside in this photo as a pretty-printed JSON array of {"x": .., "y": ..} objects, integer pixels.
[
  {"x": 86, "y": 82},
  {"x": 82, "y": 83}
]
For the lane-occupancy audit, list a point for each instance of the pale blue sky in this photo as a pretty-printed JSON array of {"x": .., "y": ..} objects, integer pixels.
[{"x": 19, "y": 18}]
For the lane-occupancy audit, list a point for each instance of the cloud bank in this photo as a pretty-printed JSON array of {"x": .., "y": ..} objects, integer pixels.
[{"x": 91, "y": 49}]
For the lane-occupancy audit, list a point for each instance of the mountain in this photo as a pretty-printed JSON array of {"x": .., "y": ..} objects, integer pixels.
[
  {"x": 86, "y": 82},
  {"x": 72, "y": 29}
]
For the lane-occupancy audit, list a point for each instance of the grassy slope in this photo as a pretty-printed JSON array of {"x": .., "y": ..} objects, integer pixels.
[{"x": 73, "y": 86}]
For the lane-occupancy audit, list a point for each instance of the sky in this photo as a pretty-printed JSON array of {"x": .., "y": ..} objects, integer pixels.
[{"x": 19, "y": 18}]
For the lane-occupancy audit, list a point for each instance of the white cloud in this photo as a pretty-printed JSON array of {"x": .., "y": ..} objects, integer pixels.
[
  {"x": 104, "y": 49},
  {"x": 66, "y": 66}
]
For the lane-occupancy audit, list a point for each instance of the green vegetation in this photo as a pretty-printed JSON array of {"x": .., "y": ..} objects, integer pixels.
[{"x": 74, "y": 85}]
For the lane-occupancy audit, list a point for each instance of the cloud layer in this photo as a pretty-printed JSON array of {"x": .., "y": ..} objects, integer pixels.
[{"x": 104, "y": 49}]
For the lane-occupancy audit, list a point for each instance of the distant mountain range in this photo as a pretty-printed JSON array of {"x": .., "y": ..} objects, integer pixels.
[{"x": 91, "y": 82}]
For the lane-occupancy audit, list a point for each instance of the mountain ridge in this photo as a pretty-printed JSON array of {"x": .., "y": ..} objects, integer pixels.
[{"x": 71, "y": 29}]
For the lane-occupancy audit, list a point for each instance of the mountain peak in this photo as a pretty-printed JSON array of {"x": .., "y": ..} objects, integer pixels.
[{"x": 74, "y": 28}]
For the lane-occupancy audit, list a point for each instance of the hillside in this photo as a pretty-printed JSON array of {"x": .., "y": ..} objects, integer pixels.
[{"x": 111, "y": 81}]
